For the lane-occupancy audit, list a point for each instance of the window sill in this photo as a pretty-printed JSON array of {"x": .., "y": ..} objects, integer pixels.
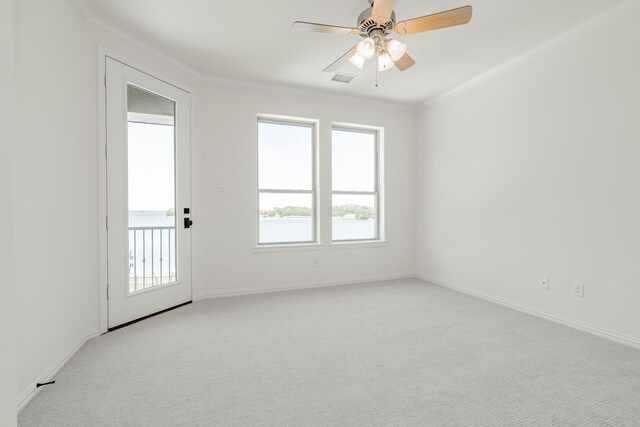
[
  {"x": 288, "y": 248},
  {"x": 358, "y": 244}
]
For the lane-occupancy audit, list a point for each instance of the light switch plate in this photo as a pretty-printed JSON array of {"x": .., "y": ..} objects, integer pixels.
[{"x": 578, "y": 289}]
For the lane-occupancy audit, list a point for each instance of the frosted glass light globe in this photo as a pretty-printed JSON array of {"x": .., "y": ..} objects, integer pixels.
[
  {"x": 396, "y": 49},
  {"x": 384, "y": 62},
  {"x": 367, "y": 48}
]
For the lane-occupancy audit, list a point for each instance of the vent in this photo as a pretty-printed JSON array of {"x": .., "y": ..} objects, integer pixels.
[{"x": 343, "y": 78}]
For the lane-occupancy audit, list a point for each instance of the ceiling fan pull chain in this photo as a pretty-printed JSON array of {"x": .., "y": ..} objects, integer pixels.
[{"x": 377, "y": 77}]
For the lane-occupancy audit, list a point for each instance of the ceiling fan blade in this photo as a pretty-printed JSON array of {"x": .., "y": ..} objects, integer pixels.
[
  {"x": 322, "y": 28},
  {"x": 341, "y": 61},
  {"x": 449, "y": 18},
  {"x": 382, "y": 10},
  {"x": 405, "y": 62}
]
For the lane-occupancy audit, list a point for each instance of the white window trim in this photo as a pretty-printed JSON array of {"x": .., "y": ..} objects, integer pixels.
[
  {"x": 280, "y": 248},
  {"x": 378, "y": 193},
  {"x": 287, "y": 246},
  {"x": 358, "y": 244}
]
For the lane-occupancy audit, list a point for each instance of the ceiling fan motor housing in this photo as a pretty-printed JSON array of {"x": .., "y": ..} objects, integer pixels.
[{"x": 369, "y": 28}]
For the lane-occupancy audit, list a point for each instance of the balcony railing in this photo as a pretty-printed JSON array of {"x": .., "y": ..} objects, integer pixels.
[{"x": 152, "y": 257}]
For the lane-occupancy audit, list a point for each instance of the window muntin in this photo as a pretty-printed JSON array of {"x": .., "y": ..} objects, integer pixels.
[
  {"x": 355, "y": 185},
  {"x": 286, "y": 182}
]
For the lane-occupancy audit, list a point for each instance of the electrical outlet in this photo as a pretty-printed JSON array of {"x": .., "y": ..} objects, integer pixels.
[
  {"x": 316, "y": 262},
  {"x": 578, "y": 289},
  {"x": 223, "y": 190},
  {"x": 544, "y": 283}
]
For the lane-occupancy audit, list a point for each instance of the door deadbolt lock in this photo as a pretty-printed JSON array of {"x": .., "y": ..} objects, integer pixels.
[{"x": 187, "y": 223}]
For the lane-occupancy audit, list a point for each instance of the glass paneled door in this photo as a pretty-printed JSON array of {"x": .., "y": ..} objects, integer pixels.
[{"x": 148, "y": 194}]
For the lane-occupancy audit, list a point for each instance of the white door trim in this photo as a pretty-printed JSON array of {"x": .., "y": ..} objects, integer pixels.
[{"x": 103, "y": 53}]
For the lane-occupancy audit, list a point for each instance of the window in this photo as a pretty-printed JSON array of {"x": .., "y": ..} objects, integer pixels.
[
  {"x": 286, "y": 182},
  {"x": 355, "y": 196}
]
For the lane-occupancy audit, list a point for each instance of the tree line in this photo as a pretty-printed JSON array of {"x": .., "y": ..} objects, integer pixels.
[{"x": 359, "y": 212}]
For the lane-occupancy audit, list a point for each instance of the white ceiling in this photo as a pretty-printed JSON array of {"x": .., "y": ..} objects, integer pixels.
[{"x": 252, "y": 39}]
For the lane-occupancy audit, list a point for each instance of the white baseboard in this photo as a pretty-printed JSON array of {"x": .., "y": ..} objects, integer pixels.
[
  {"x": 572, "y": 323},
  {"x": 26, "y": 396},
  {"x": 304, "y": 285},
  {"x": 31, "y": 391}
]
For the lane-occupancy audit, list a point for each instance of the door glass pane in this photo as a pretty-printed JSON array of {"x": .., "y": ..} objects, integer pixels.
[
  {"x": 285, "y": 156},
  {"x": 151, "y": 189},
  {"x": 286, "y": 218},
  {"x": 353, "y": 217},
  {"x": 353, "y": 162}
]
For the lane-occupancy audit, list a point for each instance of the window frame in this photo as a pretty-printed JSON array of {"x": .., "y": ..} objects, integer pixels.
[
  {"x": 290, "y": 121},
  {"x": 377, "y": 190}
]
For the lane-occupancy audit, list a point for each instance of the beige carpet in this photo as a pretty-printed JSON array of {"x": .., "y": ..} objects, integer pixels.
[{"x": 401, "y": 353}]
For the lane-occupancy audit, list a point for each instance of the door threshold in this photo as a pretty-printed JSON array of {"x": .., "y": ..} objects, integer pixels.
[{"x": 115, "y": 328}]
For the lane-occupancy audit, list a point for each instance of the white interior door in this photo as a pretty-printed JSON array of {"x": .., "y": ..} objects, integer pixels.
[{"x": 148, "y": 194}]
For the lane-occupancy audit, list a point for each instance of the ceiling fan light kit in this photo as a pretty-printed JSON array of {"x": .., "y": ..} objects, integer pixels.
[
  {"x": 375, "y": 25},
  {"x": 396, "y": 49},
  {"x": 366, "y": 48},
  {"x": 385, "y": 62},
  {"x": 387, "y": 50}
]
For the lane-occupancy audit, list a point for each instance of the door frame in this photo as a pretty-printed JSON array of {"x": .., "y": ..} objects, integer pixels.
[{"x": 105, "y": 52}]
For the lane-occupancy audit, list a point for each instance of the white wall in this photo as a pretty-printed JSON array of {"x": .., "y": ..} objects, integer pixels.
[
  {"x": 57, "y": 184},
  {"x": 224, "y": 152},
  {"x": 7, "y": 286},
  {"x": 226, "y": 225},
  {"x": 531, "y": 173},
  {"x": 55, "y": 159},
  {"x": 535, "y": 172}
]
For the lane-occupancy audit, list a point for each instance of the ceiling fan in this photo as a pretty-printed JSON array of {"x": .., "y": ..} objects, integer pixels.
[{"x": 376, "y": 24}]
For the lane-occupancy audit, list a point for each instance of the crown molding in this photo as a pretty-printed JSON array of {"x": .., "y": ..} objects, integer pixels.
[
  {"x": 305, "y": 91},
  {"x": 585, "y": 27},
  {"x": 91, "y": 18}
]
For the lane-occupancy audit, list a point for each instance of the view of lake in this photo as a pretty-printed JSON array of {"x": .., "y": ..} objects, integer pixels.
[
  {"x": 150, "y": 219},
  {"x": 300, "y": 229},
  {"x": 272, "y": 230},
  {"x": 152, "y": 238},
  {"x": 152, "y": 250}
]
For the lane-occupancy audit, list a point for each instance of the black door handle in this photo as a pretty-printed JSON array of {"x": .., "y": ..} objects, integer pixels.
[{"x": 187, "y": 223}]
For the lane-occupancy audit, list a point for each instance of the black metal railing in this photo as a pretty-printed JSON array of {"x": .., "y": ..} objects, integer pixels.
[{"x": 152, "y": 257}]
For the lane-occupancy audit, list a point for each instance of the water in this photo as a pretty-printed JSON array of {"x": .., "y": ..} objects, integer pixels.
[
  {"x": 274, "y": 230},
  {"x": 151, "y": 219},
  {"x": 152, "y": 252},
  {"x": 353, "y": 229}
]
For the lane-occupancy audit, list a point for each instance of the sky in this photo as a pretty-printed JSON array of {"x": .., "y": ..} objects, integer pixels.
[
  {"x": 285, "y": 162},
  {"x": 151, "y": 167}
]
